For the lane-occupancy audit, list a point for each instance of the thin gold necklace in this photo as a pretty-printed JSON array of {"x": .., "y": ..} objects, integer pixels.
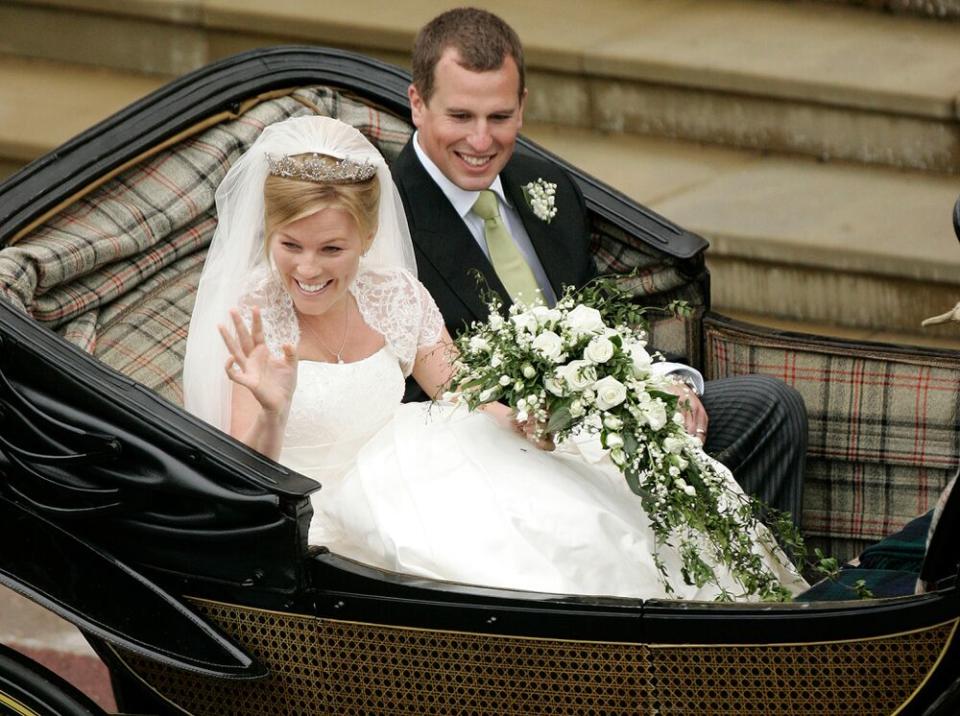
[{"x": 343, "y": 342}]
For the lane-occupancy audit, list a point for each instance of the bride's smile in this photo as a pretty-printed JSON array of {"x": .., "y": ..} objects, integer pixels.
[{"x": 317, "y": 257}]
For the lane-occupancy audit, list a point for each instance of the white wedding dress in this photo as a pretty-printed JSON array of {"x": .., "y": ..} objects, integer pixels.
[
  {"x": 436, "y": 491},
  {"x": 428, "y": 490}
]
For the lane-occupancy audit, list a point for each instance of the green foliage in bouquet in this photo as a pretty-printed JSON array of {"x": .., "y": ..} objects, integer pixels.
[{"x": 584, "y": 366}]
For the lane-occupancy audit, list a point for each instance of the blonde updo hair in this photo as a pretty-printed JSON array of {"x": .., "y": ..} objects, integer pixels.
[{"x": 286, "y": 199}]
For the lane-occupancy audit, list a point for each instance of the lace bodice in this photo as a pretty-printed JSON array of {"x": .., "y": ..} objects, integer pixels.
[
  {"x": 391, "y": 300},
  {"x": 337, "y": 407}
]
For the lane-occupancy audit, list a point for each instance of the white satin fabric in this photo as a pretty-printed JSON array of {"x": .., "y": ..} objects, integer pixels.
[{"x": 435, "y": 491}]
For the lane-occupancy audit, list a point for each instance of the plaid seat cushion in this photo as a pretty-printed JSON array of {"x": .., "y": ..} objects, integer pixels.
[
  {"x": 654, "y": 279},
  {"x": 884, "y": 430}
]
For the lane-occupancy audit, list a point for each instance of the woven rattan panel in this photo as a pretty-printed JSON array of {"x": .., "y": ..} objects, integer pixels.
[
  {"x": 871, "y": 676},
  {"x": 320, "y": 666}
]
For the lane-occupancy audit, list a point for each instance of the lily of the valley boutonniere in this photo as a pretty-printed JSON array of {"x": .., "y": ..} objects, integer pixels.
[{"x": 541, "y": 197}]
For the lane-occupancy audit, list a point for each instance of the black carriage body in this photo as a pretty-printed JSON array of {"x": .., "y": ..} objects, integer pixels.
[{"x": 183, "y": 554}]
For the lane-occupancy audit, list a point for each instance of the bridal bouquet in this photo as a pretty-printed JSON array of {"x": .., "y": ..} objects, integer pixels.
[{"x": 583, "y": 366}]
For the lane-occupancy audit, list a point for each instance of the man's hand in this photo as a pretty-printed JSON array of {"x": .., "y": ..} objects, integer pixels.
[{"x": 695, "y": 418}]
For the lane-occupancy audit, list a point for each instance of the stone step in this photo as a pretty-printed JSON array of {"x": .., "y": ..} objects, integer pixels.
[
  {"x": 937, "y": 9},
  {"x": 45, "y": 103},
  {"x": 823, "y": 79},
  {"x": 855, "y": 247},
  {"x": 861, "y": 249}
]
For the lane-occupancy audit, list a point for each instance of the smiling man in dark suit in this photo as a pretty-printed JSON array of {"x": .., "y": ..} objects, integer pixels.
[{"x": 462, "y": 186}]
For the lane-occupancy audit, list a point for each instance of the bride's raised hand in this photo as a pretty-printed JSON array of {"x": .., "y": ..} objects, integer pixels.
[{"x": 271, "y": 380}]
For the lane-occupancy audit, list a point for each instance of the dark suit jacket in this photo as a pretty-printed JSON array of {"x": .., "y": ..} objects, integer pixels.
[{"x": 446, "y": 250}]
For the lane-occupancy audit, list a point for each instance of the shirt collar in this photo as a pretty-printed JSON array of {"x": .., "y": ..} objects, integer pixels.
[{"x": 461, "y": 199}]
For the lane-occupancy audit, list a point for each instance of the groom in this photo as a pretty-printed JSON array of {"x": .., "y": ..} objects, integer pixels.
[{"x": 459, "y": 171}]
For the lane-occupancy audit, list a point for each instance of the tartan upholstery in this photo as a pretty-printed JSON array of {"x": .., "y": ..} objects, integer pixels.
[
  {"x": 884, "y": 432},
  {"x": 655, "y": 280},
  {"x": 116, "y": 272}
]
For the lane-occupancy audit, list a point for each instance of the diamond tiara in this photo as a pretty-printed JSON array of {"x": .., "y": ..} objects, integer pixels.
[{"x": 314, "y": 168}]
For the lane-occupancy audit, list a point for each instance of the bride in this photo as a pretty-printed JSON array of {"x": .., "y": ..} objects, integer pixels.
[{"x": 312, "y": 267}]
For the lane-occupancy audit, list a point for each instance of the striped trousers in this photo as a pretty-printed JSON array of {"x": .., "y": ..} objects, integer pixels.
[{"x": 758, "y": 429}]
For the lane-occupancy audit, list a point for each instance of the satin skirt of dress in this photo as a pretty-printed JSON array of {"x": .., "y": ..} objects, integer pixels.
[{"x": 443, "y": 493}]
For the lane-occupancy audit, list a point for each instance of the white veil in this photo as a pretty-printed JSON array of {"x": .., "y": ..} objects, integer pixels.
[{"x": 237, "y": 254}]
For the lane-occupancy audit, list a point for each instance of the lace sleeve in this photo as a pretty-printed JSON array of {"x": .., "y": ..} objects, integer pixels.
[{"x": 395, "y": 304}]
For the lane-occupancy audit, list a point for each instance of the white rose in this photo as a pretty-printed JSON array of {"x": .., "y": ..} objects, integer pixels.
[
  {"x": 505, "y": 380},
  {"x": 599, "y": 350},
  {"x": 610, "y": 392},
  {"x": 656, "y": 414},
  {"x": 518, "y": 386},
  {"x": 478, "y": 344},
  {"x": 549, "y": 345},
  {"x": 486, "y": 395},
  {"x": 612, "y": 422},
  {"x": 583, "y": 320},
  {"x": 528, "y": 371},
  {"x": 690, "y": 490},
  {"x": 614, "y": 440},
  {"x": 641, "y": 359},
  {"x": 521, "y": 416},
  {"x": 545, "y": 315},
  {"x": 618, "y": 456},
  {"x": 673, "y": 445},
  {"x": 496, "y": 321},
  {"x": 576, "y": 409},
  {"x": 554, "y": 385},
  {"x": 525, "y": 321},
  {"x": 495, "y": 361},
  {"x": 578, "y": 374}
]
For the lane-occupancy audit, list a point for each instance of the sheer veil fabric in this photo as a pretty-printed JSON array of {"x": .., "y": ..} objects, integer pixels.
[{"x": 237, "y": 263}]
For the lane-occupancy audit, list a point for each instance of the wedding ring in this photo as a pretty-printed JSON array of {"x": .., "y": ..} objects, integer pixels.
[{"x": 700, "y": 431}]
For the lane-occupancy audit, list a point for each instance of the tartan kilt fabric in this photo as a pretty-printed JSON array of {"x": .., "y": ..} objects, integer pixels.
[
  {"x": 116, "y": 272},
  {"x": 884, "y": 436}
]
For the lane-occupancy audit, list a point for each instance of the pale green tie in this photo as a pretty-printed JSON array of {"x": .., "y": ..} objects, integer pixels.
[{"x": 505, "y": 256}]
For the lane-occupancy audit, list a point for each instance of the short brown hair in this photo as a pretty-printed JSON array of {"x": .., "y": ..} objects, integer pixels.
[
  {"x": 481, "y": 39},
  {"x": 286, "y": 200}
]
